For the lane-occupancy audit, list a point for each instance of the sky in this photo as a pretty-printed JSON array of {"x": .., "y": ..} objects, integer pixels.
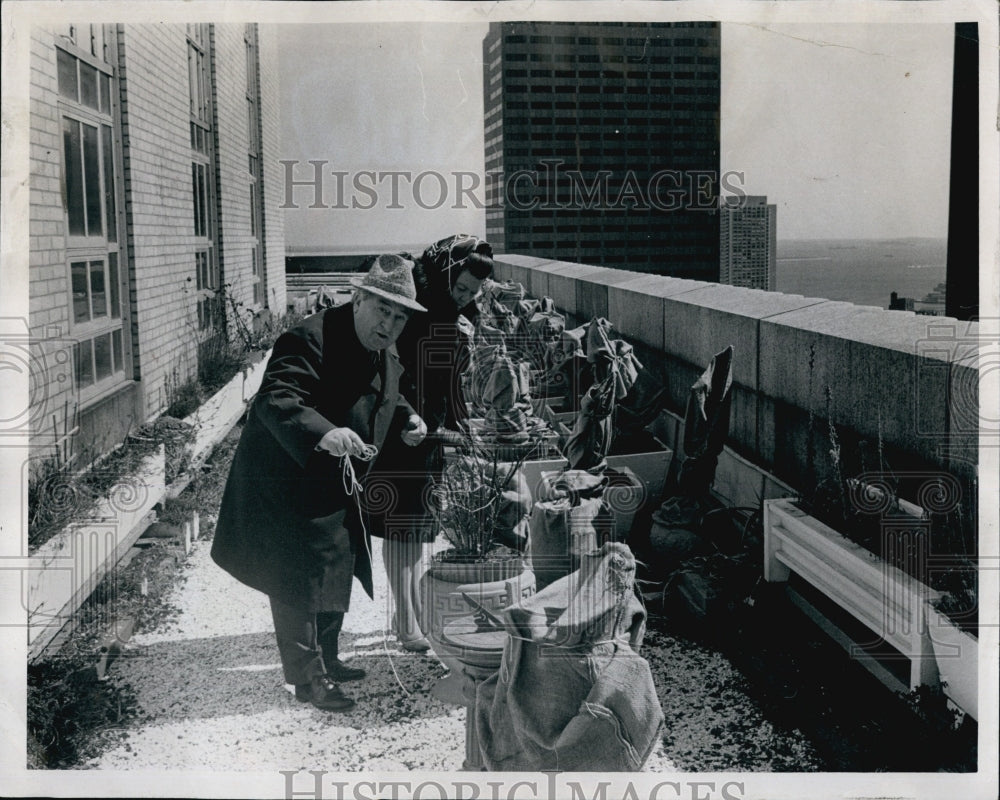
[{"x": 846, "y": 127}]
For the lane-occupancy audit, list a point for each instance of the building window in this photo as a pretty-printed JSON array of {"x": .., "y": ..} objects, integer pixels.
[
  {"x": 253, "y": 165},
  {"x": 206, "y": 264},
  {"x": 91, "y": 187}
]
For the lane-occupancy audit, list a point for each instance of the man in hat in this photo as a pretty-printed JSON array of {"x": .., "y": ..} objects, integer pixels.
[{"x": 289, "y": 525}]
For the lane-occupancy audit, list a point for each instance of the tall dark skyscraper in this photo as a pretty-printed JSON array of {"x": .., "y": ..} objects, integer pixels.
[{"x": 602, "y": 143}]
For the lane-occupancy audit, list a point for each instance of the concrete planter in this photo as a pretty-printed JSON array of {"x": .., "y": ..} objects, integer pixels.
[
  {"x": 217, "y": 415},
  {"x": 64, "y": 571},
  {"x": 493, "y": 585},
  {"x": 648, "y": 472},
  {"x": 892, "y": 604},
  {"x": 957, "y": 656},
  {"x": 540, "y": 444}
]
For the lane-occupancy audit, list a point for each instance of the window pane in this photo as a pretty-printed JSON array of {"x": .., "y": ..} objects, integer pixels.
[
  {"x": 251, "y": 138},
  {"x": 88, "y": 85},
  {"x": 109, "y": 183},
  {"x": 116, "y": 350},
  {"x": 98, "y": 292},
  {"x": 91, "y": 165},
  {"x": 250, "y": 70},
  {"x": 116, "y": 310},
  {"x": 105, "y": 93},
  {"x": 194, "y": 195},
  {"x": 74, "y": 177},
  {"x": 102, "y": 356},
  {"x": 84, "y": 364},
  {"x": 203, "y": 197},
  {"x": 66, "y": 66},
  {"x": 97, "y": 32},
  {"x": 81, "y": 301},
  {"x": 253, "y": 209},
  {"x": 193, "y": 83},
  {"x": 198, "y": 188},
  {"x": 201, "y": 200},
  {"x": 202, "y": 89}
]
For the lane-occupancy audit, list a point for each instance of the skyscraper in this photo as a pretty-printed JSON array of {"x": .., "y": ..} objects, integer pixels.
[
  {"x": 748, "y": 242},
  {"x": 602, "y": 143}
]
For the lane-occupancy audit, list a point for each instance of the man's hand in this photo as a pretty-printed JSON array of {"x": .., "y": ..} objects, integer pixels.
[
  {"x": 341, "y": 442},
  {"x": 416, "y": 430}
]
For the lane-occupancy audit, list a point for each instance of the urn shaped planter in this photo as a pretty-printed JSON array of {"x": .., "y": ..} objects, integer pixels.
[{"x": 444, "y": 588}]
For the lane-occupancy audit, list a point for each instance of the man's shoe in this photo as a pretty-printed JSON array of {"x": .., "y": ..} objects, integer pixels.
[
  {"x": 340, "y": 672},
  {"x": 418, "y": 645},
  {"x": 323, "y": 693}
]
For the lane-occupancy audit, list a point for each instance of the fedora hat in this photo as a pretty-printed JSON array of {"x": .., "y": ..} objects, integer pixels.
[{"x": 391, "y": 277}]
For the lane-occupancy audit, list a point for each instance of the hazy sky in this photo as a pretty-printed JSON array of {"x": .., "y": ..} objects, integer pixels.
[{"x": 845, "y": 127}]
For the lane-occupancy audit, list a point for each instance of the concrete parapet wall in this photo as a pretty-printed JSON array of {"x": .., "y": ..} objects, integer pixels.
[{"x": 903, "y": 383}]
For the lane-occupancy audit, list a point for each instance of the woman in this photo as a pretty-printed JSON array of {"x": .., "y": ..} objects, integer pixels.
[{"x": 448, "y": 276}]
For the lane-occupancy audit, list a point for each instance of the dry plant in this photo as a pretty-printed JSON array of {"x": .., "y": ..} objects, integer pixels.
[{"x": 468, "y": 499}]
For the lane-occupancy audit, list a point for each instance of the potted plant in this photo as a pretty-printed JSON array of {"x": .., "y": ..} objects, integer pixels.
[{"x": 481, "y": 506}]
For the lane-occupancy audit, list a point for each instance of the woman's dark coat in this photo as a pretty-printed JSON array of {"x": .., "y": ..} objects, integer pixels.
[
  {"x": 287, "y": 526},
  {"x": 433, "y": 356}
]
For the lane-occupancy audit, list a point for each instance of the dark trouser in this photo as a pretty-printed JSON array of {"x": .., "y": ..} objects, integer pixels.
[{"x": 307, "y": 641}]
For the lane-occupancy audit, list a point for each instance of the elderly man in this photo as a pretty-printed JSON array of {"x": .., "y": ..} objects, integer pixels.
[{"x": 288, "y": 525}]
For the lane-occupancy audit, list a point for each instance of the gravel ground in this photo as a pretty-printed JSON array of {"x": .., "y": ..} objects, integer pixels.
[
  {"x": 200, "y": 687},
  {"x": 210, "y": 694}
]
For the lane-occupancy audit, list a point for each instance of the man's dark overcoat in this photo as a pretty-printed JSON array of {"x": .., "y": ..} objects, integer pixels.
[{"x": 281, "y": 526}]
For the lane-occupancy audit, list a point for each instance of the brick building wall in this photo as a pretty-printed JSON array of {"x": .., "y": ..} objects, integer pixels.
[
  {"x": 157, "y": 155},
  {"x": 143, "y": 162},
  {"x": 273, "y": 174},
  {"x": 52, "y": 378},
  {"x": 234, "y": 180}
]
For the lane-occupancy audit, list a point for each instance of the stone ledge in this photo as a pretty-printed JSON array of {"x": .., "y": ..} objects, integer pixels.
[{"x": 906, "y": 378}]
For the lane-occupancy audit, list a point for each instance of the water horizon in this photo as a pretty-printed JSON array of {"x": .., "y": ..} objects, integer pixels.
[{"x": 860, "y": 271}]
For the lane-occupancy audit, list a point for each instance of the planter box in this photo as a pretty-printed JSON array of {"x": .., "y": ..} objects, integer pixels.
[
  {"x": 64, "y": 571},
  {"x": 884, "y": 599},
  {"x": 540, "y": 444},
  {"x": 624, "y": 494},
  {"x": 561, "y": 421},
  {"x": 957, "y": 656},
  {"x": 649, "y": 468},
  {"x": 217, "y": 415}
]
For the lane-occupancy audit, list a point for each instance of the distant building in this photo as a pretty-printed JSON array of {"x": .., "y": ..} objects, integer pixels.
[
  {"x": 897, "y": 303},
  {"x": 154, "y": 181},
  {"x": 748, "y": 248},
  {"x": 602, "y": 143},
  {"x": 933, "y": 303}
]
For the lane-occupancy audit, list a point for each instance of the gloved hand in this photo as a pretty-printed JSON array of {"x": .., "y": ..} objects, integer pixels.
[
  {"x": 341, "y": 442},
  {"x": 416, "y": 430}
]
